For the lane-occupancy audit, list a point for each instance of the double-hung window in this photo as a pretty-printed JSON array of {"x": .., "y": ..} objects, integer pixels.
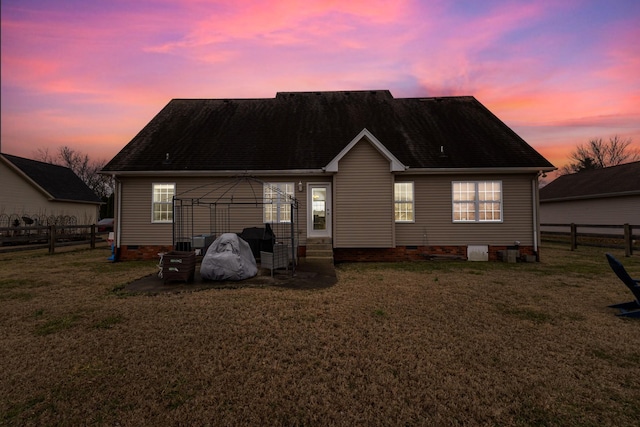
[
  {"x": 162, "y": 204},
  {"x": 277, "y": 202},
  {"x": 403, "y": 201},
  {"x": 477, "y": 201}
]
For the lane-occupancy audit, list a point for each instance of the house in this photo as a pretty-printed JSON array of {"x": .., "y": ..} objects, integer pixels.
[
  {"x": 609, "y": 196},
  {"x": 34, "y": 192},
  {"x": 360, "y": 174}
]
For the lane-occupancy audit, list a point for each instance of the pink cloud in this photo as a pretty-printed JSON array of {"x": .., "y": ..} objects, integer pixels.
[
  {"x": 98, "y": 73},
  {"x": 454, "y": 45},
  {"x": 280, "y": 23}
]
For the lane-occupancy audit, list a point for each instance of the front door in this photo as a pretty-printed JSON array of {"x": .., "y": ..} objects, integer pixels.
[{"x": 319, "y": 210}]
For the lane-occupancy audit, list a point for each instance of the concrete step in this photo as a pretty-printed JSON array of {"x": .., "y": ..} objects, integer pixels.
[
  {"x": 319, "y": 240},
  {"x": 319, "y": 254},
  {"x": 320, "y": 249},
  {"x": 322, "y": 254},
  {"x": 320, "y": 246},
  {"x": 319, "y": 259}
]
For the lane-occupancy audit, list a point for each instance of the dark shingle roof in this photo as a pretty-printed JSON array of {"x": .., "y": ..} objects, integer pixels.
[
  {"x": 306, "y": 130},
  {"x": 606, "y": 182},
  {"x": 59, "y": 181}
]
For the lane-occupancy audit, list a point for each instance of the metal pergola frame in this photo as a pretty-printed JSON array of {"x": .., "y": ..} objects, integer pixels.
[{"x": 220, "y": 199}]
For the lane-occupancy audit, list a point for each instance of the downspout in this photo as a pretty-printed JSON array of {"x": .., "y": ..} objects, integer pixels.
[
  {"x": 534, "y": 200},
  {"x": 118, "y": 215}
]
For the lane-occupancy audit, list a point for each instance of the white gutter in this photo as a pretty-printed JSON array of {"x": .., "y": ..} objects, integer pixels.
[
  {"x": 322, "y": 171},
  {"x": 119, "y": 211},
  {"x": 435, "y": 171},
  {"x": 209, "y": 173}
]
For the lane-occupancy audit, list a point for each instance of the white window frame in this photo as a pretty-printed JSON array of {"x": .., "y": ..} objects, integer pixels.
[
  {"x": 277, "y": 198},
  {"x": 398, "y": 201},
  {"x": 162, "y": 201},
  {"x": 474, "y": 204}
]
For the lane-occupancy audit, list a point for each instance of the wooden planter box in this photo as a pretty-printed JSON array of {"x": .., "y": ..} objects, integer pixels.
[{"x": 179, "y": 266}]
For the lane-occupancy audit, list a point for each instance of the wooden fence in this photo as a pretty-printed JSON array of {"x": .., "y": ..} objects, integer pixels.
[
  {"x": 50, "y": 236},
  {"x": 593, "y": 235}
]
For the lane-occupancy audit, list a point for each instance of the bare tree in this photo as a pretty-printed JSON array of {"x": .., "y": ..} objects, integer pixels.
[
  {"x": 597, "y": 154},
  {"x": 80, "y": 163}
]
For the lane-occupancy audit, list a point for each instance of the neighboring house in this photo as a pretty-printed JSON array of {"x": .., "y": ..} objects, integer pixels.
[
  {"x": 43, "y": 193},
  {"x": 609, "y": 196},
  {"x": 373, "y": 177}
]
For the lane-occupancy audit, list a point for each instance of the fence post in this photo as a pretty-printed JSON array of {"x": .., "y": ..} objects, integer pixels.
[
  {"x": 628, "y": 241},
  {"x": 93, "y": 236},
  {"x": 574, "y": 237},
  {"x": 52, "y": 239}
]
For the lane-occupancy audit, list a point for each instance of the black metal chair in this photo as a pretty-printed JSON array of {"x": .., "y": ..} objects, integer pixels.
[{"x": 631, "y": 308}]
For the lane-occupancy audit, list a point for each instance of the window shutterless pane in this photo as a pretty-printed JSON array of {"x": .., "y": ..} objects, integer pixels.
[
  {"x": 285, "y": 213},
  {"x": 403, "y": 206},
  {"x": 162, "y": 205},
  {"x": 277, "y": 202},
  {"x": 464, "y": 212},
  {"x": 404, "y": 191},
  {"x": 464, "y": 191},
  {"x": 489, "y": 211},
  {"x": 477, "y": 201},
  {"x": 404, "y": 212},
  {"x": 163, "y": 193},
  {"x": 489, "y": 191}
]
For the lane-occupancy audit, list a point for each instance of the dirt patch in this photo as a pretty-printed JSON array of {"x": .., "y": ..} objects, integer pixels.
[{"x": 308, "y": 275}]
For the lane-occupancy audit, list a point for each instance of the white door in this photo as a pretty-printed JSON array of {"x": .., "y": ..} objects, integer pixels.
[{"x": 319, "y": 210}]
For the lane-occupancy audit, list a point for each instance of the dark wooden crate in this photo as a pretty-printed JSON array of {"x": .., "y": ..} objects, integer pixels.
[{"x": 179, "y": 266}]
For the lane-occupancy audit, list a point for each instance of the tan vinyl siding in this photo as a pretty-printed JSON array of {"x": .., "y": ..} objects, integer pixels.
[
  {"x": 609, "y": 211},
  {"x": 135, "y": 224},
  {"x": 362, "y": 207},
  {"x": 17, "y": 196},
  {"x": 137, "y": 228},
  {"x": 363, "y": 202},
  {"x": 433, "y": 213}
]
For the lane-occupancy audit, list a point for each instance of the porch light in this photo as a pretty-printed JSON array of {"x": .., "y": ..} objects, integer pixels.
[{"x": 300, "y": 186}]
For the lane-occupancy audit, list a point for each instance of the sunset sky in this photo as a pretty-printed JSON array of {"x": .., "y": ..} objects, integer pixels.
[{"x": 91, "y": 74}]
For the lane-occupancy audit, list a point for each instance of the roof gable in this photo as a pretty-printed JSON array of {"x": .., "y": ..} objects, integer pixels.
[
  {"x": 606, "y": 182},
  {"x": 308, "y": 130},
  {"x": 394, "y": 164},
  {"x": 56, "y": 182}
]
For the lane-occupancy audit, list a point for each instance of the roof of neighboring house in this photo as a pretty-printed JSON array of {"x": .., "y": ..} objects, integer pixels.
[
  {"x": 606, "y": 182},
  {"x": 59, "y": 182},
  {"x": 307, "y": 130}
]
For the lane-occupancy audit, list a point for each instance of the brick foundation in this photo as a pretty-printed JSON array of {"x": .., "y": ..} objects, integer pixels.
[
  {"x": 400, "y": 253},
  {"x": 414, "y": 253},
  {"x": 524, "y": 250},
  {"x": 137, "y": 252}
]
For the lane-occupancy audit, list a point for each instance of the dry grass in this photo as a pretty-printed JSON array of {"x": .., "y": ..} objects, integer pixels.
[{"x": 432, "y": 343}]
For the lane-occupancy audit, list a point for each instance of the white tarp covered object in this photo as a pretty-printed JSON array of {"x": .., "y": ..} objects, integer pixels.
[{"x": 228, "y": 258}]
